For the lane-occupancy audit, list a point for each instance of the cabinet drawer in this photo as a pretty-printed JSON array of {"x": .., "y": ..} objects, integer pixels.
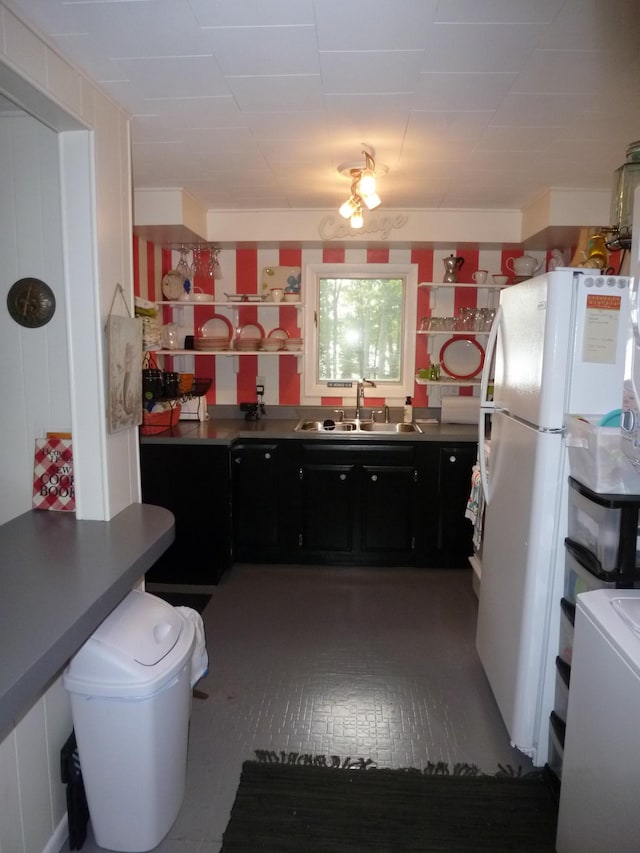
[{"x": 356, "y": 453}]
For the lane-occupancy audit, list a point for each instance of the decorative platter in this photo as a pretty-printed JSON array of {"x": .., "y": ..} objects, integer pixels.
[
  {"x": 172, "y": 285},
  {"x": 250, "y": 331},
  {"x": 462, "y": 357},
  {"x": 217, "y": 327}
]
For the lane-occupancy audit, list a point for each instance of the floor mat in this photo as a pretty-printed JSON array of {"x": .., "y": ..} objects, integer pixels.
[{"x": 283, "y": 807}]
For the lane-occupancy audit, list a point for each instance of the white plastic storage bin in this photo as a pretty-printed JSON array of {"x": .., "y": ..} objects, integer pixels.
[
  {"x": 578, "y": 579},
  {"x": 565, "y": 649},
  {"x": 596, "y": 457},
  {"x": 130, "y": 692},
  {"x": 595, "y": 527},
  {"x": 556, "y": 748},
  {"x": 561, "y": 702}
]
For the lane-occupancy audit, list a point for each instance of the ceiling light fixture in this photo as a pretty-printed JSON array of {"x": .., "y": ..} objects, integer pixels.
[
  {"x": 363, "y": 188},
  {"x": 626, "y": 179}
]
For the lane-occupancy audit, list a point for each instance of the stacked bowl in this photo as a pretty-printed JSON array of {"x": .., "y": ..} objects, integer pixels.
[
  {"x": 214, "y": 342},
  {"x": 293, "y": 344}
]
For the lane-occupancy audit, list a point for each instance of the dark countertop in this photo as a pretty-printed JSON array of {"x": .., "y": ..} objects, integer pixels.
[
  {"x": 60, "y": 578},
  {"x": 227, "y": 430}
]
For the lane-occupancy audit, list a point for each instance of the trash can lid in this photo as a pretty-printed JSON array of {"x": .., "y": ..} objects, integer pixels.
[
  {"x": 143, "y": 627},
  {"x": 132, "y": 648}
]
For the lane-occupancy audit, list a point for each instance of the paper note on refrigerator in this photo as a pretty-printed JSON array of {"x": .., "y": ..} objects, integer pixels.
[{"x": 601, "y": 328}]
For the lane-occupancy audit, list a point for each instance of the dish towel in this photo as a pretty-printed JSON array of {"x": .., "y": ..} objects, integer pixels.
[{"x": 473, "y": 504}]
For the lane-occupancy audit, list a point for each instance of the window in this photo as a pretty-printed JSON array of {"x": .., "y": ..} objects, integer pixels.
[{"x": 360, "y": 323}]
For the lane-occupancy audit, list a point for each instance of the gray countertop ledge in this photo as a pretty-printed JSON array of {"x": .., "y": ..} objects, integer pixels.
[
  {"x": 59, "y": 579},
  {"x": 225, "y": 431}
]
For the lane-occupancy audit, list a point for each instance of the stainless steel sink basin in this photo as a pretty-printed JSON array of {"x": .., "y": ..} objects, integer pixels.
[
  {"x": 325, "y": 426},
  {"x": 375, "y": 426},
  {"x": 354, "y": 426}
]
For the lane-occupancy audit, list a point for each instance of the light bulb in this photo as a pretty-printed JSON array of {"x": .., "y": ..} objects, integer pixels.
[
  {"x": 372, "y": 200},
  {"x": 356, "y": 220},
  {"x": 367, "y": 182},
  {"x": 348, "y": 208}
]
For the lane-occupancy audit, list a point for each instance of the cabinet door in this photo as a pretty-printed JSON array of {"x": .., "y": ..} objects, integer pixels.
[
  {"x": 193, "y": 482},
  {"x": 328, "y": 494},
  {"x": 455, "y": 532},
  {"x": 387, "y": 514},
  {"x": 255, "y": 491}
]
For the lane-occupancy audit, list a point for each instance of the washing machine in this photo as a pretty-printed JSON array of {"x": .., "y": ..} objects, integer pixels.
[{"x": 599, "y": 800}]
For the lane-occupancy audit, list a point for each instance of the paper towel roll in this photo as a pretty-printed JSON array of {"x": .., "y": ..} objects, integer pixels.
[{"x": 460, "y": 410}]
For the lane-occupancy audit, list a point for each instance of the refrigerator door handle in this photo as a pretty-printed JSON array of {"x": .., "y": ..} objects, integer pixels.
[
  {"x": 634, "y": 293},
  {"x": 487, "y": 406},
  {"x": 488, "y": 359}
]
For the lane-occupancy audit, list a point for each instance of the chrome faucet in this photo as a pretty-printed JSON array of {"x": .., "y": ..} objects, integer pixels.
[{"x": 360, "y": 394}]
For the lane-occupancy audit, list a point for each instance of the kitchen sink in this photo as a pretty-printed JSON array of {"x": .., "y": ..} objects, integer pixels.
[
  {"x": 325, "y": 426},
  {"x": 377, "y": 426},
  {"x": 355, "y": 426}
]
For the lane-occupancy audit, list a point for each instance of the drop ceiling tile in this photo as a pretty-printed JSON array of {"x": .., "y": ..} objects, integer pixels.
[
  {"x": 601, "y": 27},
  {"x": 542, "y": 109},
  {"x": 269, "y": 94},
  {"x": 462, "y": 91},
  {"x": 356, "y": 25},
  {"x": 357, "y": 72},
  {"x": 251, "y": 13},
  {"x": 189, "y": 114},
  {"x": 510, "y": 138},
  {"x": 448, "y": 125},
  {"x": 479, "y": 48},
  {"x": 498, "y": 11},
  {"x": 568, "y": 71},
  {"x": 285, "y": 124},
  {"x": 253, "y": 51}
]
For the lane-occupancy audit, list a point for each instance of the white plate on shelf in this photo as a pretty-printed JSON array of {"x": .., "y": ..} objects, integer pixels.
[
  {"x": 216, "y": 327},
  {"x": 462, "y": 357},
  {"x": 278, "y": 333},
  {"x": 172, "y": 285},
  {"x": 250, "y": 331}
]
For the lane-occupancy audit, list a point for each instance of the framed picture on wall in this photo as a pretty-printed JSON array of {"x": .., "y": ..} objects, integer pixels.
[{"x": 124, "y": 404}]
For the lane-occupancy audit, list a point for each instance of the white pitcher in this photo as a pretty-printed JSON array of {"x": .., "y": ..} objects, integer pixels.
[{"x": 524, "y": 266}]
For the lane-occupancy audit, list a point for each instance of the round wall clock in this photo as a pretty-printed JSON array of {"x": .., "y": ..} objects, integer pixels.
[{"x": 31, "y": 302}]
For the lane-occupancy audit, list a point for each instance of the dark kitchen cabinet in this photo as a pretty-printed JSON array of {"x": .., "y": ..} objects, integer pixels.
[
  {"x": 327, "y": 498},
  {"x": 191, "y": 480},
  {"x": 264, "y": 482},
  {"x": 357, "y": 503},
  {"x": 388, "y": 510},
  {"x": 254, "y": 488},
  {"x": 455, "y": 532}
]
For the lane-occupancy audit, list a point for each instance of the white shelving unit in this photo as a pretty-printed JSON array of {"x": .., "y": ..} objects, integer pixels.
[
  {"x": 434, "y": 287},
  {"x": 234, "y": 306}
]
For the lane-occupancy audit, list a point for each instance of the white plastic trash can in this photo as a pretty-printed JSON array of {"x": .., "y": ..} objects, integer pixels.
[{"x": 130, "y": 690}]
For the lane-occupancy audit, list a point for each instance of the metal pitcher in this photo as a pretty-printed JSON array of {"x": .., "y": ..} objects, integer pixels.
[{"x": 451, "y": 266}]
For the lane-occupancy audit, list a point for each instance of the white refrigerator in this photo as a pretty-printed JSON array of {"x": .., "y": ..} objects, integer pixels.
[{"x": 557, "y": 347}]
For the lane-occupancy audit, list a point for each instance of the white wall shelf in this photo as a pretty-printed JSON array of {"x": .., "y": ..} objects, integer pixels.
[
  {"x": 451, "y": 333},
  {"x": 486, "y": 286},
  {"x": 225, "y": 352},
  {"x": 455, "y": 383},
  {"x": 184, "y": 303}
]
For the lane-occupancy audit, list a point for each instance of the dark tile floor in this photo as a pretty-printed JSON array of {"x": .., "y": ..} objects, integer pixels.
[{"x": 373, "y": 663}]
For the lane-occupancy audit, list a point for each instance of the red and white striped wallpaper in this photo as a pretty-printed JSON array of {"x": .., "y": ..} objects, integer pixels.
[{"x": 242, "y": 273}]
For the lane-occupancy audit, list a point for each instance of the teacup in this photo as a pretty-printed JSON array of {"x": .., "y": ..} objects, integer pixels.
[
  {"x": 480, "y": 276},
  {"x": 276, "y": 294}
]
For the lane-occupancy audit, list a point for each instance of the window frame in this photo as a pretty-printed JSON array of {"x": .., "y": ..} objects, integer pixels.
[{"x": 393, "y": 392}]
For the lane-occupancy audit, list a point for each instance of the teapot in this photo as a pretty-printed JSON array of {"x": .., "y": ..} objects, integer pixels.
[
  {"x": 523, "y": 266},
  {"x": 451, "y": 266}
]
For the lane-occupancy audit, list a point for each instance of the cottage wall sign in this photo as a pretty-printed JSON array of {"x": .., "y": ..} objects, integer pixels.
[{"x": 335, "y": 228}]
